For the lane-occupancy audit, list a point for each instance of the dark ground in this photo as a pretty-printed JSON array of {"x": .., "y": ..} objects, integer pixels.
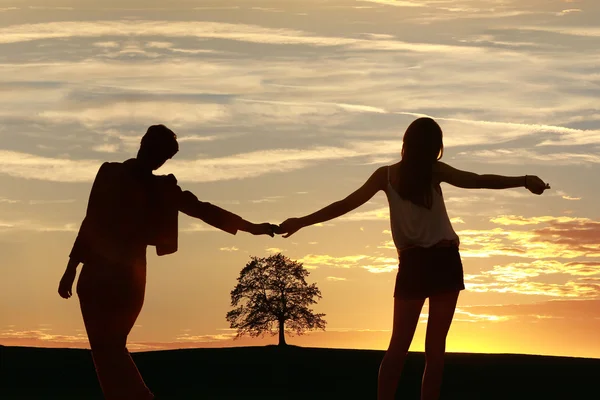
[{"x": 296, "y": 373}]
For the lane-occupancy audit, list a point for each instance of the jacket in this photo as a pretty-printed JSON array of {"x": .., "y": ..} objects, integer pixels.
[{"x": 129, "y": 209}]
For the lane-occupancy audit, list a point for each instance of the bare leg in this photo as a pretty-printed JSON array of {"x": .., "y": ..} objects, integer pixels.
[
  {"x": 406, "y": 317},
  {"x": 441, "y": 312}
]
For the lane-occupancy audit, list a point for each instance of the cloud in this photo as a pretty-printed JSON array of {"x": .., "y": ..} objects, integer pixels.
[
  {"x": 236, "y": 166},
  {"x": 462, "y": 315},
  {"x": 8, "y": 227},
  {"x": 395, "y": 3},
  {"x": 508, "y": 220},
  {"x": 274, "y": 250},
  {"x": 30, "y": 166},
  {"x": 229, "y": 249},
  {"x": 382, "y": 213},
  {"x": 519, "y": 156},
  {"x": 583, "y": 31},
  {"x": 562, "y": 237},
  {"x": 194, "y": 227},
  {"x": 186, "y": 337},
  {"x": 569, "y": 11},
  {"x": 209, "y": 29},
  {"x": 106, "y": 45},
  {"x": 313, "y": 261},
  {"x": 505, "y": 131},
  {"x": 335, "y": 279},
  {"x": 570, "y": 289},
  {"x": 44, "y": 8},
  {"x": 106, "y": 148},
  {"x": 41, "y": 336},
  {"x": 514, "y": 272},
  {"x": 373, "y": 264},
  {"x": 9, "y": 201},
  {"x": 269, "y": 199},
  {"x": 119, "y": 113}
]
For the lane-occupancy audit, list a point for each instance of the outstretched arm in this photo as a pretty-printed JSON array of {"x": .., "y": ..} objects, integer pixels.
[
  {"x": 220, "y": 218},
  {"x": 470, "y": 180},
  {"x": 359, "y": 197}
]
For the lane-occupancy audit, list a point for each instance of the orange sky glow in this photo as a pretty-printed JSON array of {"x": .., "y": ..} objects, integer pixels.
[{"x": 282, "y": 107}]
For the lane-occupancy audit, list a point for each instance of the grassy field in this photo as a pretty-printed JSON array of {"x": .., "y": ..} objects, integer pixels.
[{"x": 295, "y": 373}]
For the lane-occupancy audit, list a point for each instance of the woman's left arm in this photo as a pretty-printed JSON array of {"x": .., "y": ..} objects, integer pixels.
[{"x": 375, "y": 183}]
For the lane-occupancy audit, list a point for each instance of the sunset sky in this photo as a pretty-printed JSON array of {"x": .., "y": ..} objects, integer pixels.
[{"x": 283, "y": 107}]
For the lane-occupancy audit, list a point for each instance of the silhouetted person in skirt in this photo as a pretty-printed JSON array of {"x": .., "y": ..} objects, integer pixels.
[
  {"x": 430, "y": 265},
  {"x": 130, "y": 208}
]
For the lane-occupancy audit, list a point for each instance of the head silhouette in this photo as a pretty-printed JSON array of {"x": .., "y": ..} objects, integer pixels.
[
  {"x": 422, "y": 142},
  {"x": 422, "y": 146},
  {"x": 158, "y": 145}
]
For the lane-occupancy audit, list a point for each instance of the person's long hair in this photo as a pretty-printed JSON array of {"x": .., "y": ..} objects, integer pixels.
[{"x": 422, "y": 147}]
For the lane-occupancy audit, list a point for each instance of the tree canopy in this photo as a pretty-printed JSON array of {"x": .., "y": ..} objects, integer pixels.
[{"x": 272, "y": 296}]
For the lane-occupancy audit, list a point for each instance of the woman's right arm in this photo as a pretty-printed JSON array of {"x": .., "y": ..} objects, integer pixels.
[{"x": 470, "y": 180}]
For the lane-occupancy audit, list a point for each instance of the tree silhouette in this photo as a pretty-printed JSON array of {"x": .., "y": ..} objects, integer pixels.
[{"x": 272, "y": 296}]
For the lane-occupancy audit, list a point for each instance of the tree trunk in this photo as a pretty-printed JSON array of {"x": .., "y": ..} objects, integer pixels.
[{"x": 282, "y": 333}]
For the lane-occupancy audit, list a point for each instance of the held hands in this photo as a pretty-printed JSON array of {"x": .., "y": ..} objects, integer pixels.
[
  {"x": 65, "y": 287},
  {"x": 287, "y": 228},
  {"x": 264, "y": 229},
  {"x": 535, "y": 185},
  {"x": 290, "y": 226}
]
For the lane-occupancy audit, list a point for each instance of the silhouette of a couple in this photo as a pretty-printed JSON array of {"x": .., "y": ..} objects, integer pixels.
[{"x": 130, "y": 208}]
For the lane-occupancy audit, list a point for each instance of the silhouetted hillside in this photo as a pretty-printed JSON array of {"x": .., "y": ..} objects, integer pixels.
[{"x": 296, "y": 373}]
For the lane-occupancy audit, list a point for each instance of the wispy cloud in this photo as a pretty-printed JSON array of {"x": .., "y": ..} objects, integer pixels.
[
  {"x": 7, "y": 226},
  {"x": 237, "y": 166},
  {"x": 335, "y": 279},
  {"x": 229, "y": 249},
  {"x": 463, "y": 315},
  {"x": 520, "y": 220},
  {"x": 570, "y": 289},
  {"x": 395, "y": 3},
  {"x": 206, "y": 29},
  {"x": 518, "y": 156},
  {"x": 186, "y": 337},
  {"x": 42, "y": 337},
  {"x": 373, "y": 264},
  {"x": 514, "y": 272}
]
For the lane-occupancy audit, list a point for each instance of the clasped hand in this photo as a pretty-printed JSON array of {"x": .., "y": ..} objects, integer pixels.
[{"x": 287, "y": 228}]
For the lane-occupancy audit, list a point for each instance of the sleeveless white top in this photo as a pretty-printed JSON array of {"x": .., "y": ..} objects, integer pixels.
[{"x": 414, "y": 225}]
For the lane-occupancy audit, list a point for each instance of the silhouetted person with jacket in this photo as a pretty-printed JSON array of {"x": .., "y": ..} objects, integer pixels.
[{"x": 130, "y": 208}]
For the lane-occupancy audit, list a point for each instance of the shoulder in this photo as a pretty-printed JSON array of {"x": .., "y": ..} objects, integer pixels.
[
  {"x": 440, "y": 166},
  {"x": 381, "y": 173},
  {"x": 110, "y": 168},
  {"x": 166, "y": 179},
  {"x": 110, "y": 165},
  {"x": 388, "y": 173},
  {"x": 167, "y": 184},
  {"x": 379, "y": 178},
  {"x": 440, "y": 170}
]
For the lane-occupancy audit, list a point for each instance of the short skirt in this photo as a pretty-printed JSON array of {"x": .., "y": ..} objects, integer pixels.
[{"x": 425, "y": 272}]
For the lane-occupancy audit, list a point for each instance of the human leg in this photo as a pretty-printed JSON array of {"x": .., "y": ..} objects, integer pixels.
[
  {"x": 109, "y": 311},
  {"x": 441, "y": 312},
  {"x": 406, "y": 317}
]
